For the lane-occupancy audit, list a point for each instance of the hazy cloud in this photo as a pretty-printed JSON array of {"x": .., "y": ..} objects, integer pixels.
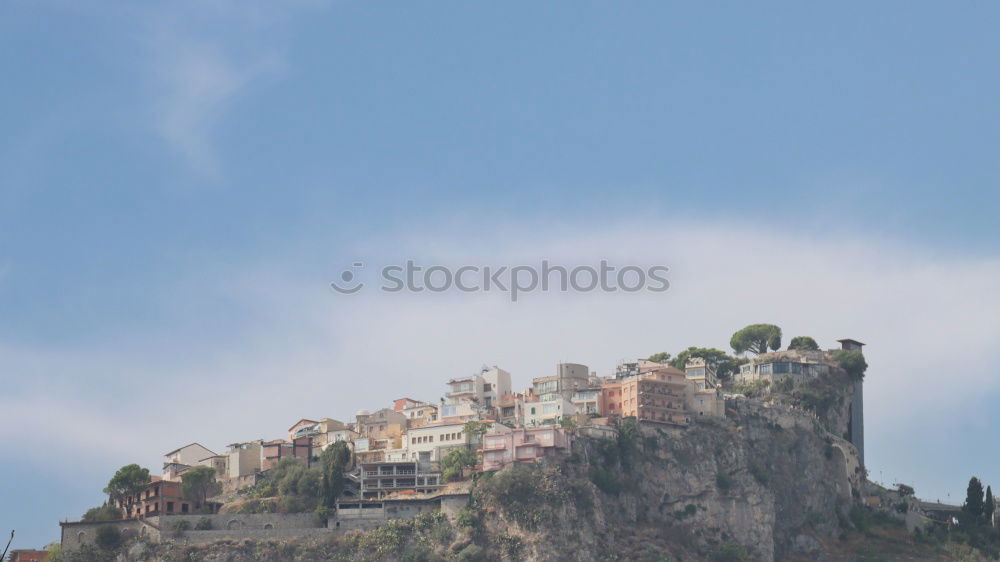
[
  {"x": 202, "y": 54},
  {"x": 930, "y": 321}
]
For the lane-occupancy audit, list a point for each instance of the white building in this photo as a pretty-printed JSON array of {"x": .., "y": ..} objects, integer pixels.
[
  {"x": 587, "y": 401},
  {"x": 433, "y": 441},
  {"x": 547, "y": 412},
  {"x": 179, "y": 460},
  {"x": 480, "y": 392}
]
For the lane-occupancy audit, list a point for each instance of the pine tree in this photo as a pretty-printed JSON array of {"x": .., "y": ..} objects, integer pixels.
[{"x": 974, "y": 499}]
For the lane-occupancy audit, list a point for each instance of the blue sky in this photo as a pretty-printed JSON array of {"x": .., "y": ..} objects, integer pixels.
[{"x": 179, "y": 182}]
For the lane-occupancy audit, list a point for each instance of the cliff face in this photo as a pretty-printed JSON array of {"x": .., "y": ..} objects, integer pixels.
[
  {"x": 775, "y": 479},
  {"x": 764, "y": 483}
]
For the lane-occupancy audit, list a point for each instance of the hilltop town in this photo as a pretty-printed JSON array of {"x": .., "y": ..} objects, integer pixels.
[{"x": 710, "y": 434}]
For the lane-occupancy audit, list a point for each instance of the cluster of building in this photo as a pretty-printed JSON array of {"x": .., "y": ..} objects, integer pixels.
[
  {"x": 801, "y": 365},
  {"x": 397, "y": 448}
]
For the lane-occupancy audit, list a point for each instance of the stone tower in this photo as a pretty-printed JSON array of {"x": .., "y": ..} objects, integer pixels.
[{"x": 856, "y": 427}]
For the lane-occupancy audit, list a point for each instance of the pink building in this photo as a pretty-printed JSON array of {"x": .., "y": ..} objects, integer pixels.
[{"x": 504, "y": 446}]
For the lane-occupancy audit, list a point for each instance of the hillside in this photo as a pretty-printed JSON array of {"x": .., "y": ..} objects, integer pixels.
[{"x": 769, "y": 482}]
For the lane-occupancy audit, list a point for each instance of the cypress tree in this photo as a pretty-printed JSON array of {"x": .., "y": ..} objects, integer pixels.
[
  {"x": 989, "y": 506},
  {"x": 974, "y": 499}
]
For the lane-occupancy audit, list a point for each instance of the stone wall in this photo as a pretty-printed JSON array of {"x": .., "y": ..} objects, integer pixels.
[
  {"x": 79, "y": 533},
  {"x": 243, "y": 521},
  {"x": 451, "y": 505},
  {"x": 205, "y": 537},
  {"x": 233, "y": 526}
]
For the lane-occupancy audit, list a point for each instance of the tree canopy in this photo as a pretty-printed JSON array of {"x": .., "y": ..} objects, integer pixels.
[
  {"x": 725, "y": 364},
  {"x": 198, "y": 484},
  {"x": 852, "y": 361},
  {"x": 129, "y": 480},
  {"x": 756, "y": 338},
  {"x": 803, "y": 343},
  {"x": 452, "y": 463},
  {"x": 475, "y": 430},
  {"x": 659, "y": 357},
  {"x": 106, "y": 512}
]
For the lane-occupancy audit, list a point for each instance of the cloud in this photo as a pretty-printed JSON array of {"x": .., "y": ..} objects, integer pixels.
[
  {"x": 197, "y": 79},
  {"x": 930, "y": 322},
  {"x": 202, "y": 55}
]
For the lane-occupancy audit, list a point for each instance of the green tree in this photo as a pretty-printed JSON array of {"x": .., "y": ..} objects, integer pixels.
[
  {"x": 333, "y": 462},
  {"x": 106, "y": 512},
  {"x": 453, "y": 463},
  {"x": 660, "y": 357},
  {"x": 803, "y": 343},
  {"x": 853, "y": 362},
  {"x": 298, "y": 485},
  {"x": 475, "y": 430},
  {"x": 989, "y": 506},
  {"x": 129, "y": 480},
  {"x": 198, "y": 484},
  {"x": 974, "y": 499},
  {"x": 725, "y": 364},
  {"x": 756, "y": 338}
]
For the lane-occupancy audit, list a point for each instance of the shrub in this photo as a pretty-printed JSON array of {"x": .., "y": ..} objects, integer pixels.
[
  {"x": 724, "y": 481},
  {"x": 605, "y": 480},
  {"x": 178, "y": 528},
  {"x": 759, "y": 473},
  {"x": 321, "y": 515},
  {"x": 509, "y": 545},
  {"x": 203, "y": 524},
  {"x": 525, "y": 493},
  {"x": 106, "y": 512},
  {"x": 730, "y": 553},
  {"x": 471, "y": 553},
  {"x": 861, "y": 518},
  {"x": 467, "y": 518},
  {"x": 689, "y": 510},
  {"x": 108, "y": 537}
]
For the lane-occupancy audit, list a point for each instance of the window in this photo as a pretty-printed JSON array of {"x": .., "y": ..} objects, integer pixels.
[
  {"x": 170, "y": 506},
  {"x": 547, "y": 387},
  {"x": 532, "y": 411},
  {"x": 184, "y": 508}
]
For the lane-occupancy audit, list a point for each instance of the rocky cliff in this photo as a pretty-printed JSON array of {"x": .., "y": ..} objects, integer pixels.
[
  {"x": 773, "y": 480},
  {"x": 763, "y": 484}
]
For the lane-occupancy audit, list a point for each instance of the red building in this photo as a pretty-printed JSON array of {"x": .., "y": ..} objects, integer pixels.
[
  {"x": 272, "y": 452},
  {"x": 28, "y": 556},
  {"x": 161, "y": 497}
]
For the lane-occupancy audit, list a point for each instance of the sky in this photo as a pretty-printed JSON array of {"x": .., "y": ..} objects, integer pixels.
[{"x": 181, "y": 182}]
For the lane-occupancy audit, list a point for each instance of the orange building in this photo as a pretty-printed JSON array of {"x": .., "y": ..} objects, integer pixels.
[{"x": 654, "y": 392}]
